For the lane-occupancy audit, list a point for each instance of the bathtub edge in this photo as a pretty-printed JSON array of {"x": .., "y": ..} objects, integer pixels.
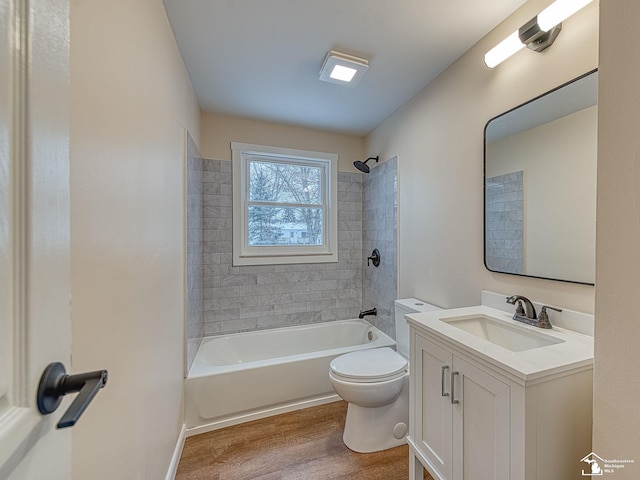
[{"x": 260, "y": 413}]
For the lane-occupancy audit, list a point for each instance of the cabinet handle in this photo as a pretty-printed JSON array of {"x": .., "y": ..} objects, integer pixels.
[
  {"x": 444, "y": 394},
  {"x": 453, "y": 388}
]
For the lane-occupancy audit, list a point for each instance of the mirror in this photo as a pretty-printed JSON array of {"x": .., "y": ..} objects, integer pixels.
[{"x": 540, "y": 185}]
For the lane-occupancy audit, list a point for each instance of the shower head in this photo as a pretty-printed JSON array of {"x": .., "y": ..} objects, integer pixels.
[{"x": 362, "y": 166}]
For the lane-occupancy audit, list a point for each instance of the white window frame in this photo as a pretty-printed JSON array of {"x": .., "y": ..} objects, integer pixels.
[{"x": 244, "y": 254}]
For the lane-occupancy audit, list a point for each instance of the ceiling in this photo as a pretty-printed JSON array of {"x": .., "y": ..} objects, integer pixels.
[{"x": 261, "y": 58}]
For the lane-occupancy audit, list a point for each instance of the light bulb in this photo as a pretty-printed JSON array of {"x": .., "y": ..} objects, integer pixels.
[
  {"x": 340, "y": 72},
  {"x": 503, "y": 50},
  {"x": 559, "y": 11}
]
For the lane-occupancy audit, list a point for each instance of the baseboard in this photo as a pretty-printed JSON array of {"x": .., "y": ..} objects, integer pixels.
[
  {"x": 177, "y": 453},
  {"x": 262, "y": 413}
]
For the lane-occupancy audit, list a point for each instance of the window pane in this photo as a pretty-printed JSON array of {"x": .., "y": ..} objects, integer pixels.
[
  {"x": 284, "y": 226},
  {"x": 282, "y": 183}
]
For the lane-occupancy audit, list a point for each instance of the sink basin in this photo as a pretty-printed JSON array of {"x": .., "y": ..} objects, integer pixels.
[{"x": 509, "y": 336}]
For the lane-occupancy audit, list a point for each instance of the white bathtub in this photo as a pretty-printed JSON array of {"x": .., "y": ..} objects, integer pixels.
[{"x": 246, "y": 376}]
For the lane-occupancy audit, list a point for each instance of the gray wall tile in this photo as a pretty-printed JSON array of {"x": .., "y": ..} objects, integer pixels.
[
  {"x": 272, "y": 296},
  {"x": 503, "y": 222},
  {"x": 379, "y": 210},
  {"x": 236, "y": 299},
  {"x": 195, "y": 250}
]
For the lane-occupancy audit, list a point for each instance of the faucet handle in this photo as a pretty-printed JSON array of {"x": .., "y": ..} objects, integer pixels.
[
  {"x": 543, "y": 318},
  {"x": 375, "y": 257}
]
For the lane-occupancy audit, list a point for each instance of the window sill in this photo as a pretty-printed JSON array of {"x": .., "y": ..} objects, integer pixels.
[{"x": 245, "y": 260}]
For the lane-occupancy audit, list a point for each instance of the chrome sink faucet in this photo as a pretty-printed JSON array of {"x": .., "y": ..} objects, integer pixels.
[{"x": 525, "y": 314}]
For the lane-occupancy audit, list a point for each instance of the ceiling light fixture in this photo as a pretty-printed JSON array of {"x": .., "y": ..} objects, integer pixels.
[
  {"x": 343, "y": 69},
  {"x": 537, "y": 34}
]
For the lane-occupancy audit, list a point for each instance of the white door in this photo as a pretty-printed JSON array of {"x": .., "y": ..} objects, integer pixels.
[{"x": 34, "y": 233}]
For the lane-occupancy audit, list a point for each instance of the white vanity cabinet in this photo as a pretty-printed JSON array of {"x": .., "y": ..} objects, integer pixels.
[{"x": 472, "y": 420}]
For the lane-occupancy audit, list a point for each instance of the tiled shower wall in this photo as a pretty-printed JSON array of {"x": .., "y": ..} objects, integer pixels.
[
  {"x": 247, "y": 298},
  {"x": 380, "y": 224},
  {"x": 504, "y": 222},
  {"x": 195, "y": 251}
]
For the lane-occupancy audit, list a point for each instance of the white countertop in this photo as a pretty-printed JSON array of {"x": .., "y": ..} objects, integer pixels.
[{"x": 575, "y": 351}]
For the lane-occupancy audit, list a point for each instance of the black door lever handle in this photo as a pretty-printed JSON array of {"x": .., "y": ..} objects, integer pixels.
[{"x": 55, "y": 384}]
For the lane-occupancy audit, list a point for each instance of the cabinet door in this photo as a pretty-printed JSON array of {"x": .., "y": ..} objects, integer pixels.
[
  {"x": 431, "y": 404},
  {"x": 480, "y": 424}
]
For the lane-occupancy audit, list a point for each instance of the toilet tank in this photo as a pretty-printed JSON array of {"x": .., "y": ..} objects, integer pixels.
[{"x": 403, "y": 307}]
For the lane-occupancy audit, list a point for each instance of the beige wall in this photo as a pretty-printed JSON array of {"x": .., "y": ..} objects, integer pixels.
[
  {"x": 616, "y": 385},
  {"x": 558, "y": 242},
  {"x": 131, "y": 100},
  {"x": 218, "y": 131},
  {"x": 438, "y": 136}
]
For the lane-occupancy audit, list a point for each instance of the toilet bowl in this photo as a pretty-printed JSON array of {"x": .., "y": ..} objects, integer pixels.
[{"x": 375, "y": 383}]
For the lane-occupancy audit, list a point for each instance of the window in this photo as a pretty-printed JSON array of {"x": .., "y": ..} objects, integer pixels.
[{"x": 284, "y": 206}]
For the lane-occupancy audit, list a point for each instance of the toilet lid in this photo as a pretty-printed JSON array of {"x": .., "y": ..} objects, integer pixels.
[{"x": 369, "y": 365}]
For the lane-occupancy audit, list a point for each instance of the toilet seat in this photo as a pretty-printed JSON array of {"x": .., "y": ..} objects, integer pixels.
[{"x": 369, "y": 366}]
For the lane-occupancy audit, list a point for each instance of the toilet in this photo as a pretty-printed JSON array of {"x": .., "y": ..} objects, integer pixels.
[{"x": 375, "y": 383}]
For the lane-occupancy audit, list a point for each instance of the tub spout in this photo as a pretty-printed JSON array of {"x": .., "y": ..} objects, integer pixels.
[{"x": 363, "y": 313}]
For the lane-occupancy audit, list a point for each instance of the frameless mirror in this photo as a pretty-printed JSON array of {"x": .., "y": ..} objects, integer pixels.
[{"x": 540, "y": 185}]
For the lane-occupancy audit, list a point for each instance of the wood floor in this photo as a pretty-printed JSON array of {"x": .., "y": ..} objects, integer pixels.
[{"x": 302, "y": 445}]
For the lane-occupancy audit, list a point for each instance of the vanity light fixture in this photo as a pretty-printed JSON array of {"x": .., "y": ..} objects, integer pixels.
[
  {"x": 343, "y": 69},
  {"x": 537, "y": 34}
]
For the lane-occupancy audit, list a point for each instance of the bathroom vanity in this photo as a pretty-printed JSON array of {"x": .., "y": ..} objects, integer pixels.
[{"x": 492, "y": 398}]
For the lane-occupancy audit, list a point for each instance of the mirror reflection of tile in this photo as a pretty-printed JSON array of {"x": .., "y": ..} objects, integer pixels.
[{"x": 503, "y": 222}]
